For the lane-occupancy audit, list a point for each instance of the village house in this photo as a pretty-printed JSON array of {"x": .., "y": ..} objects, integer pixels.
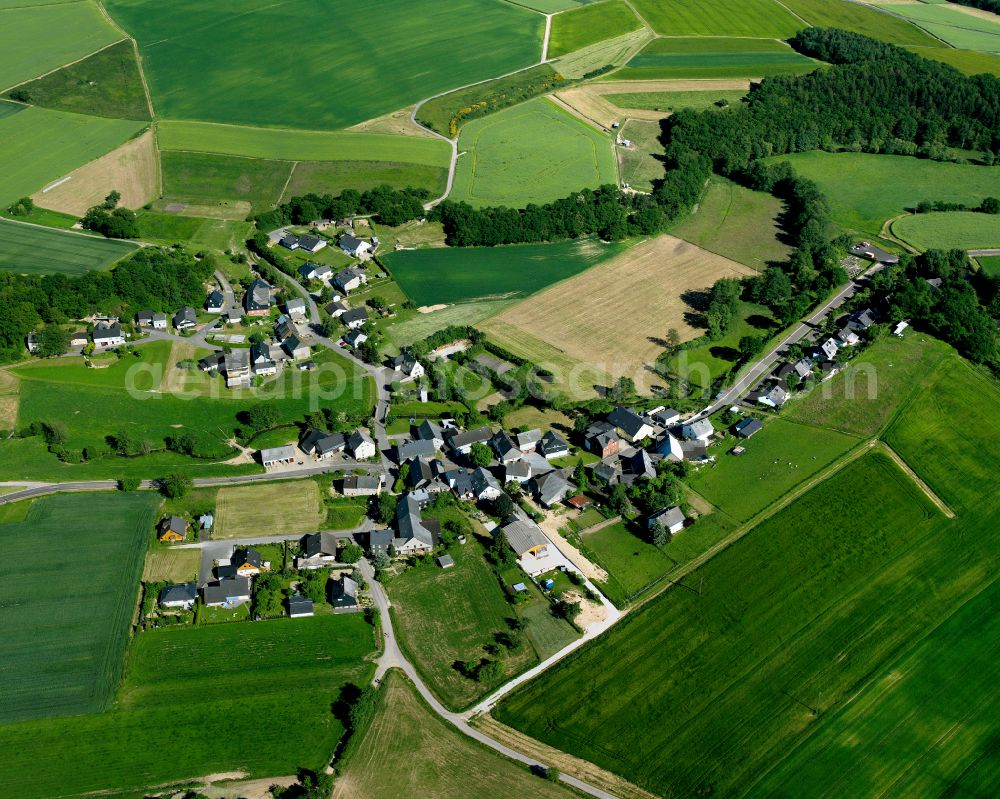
[
  {"x": 178, "y": 597},
  {"x": 505, "y": 448},
  {"x": 629, "y": 424},
  {"x": 344, "y": 595},
  {"x": 670, "y": 518},
  {"x": 214, "y": 301},
  {"x": 295, "y": 349},
  {"x": 322, "y": 445},
  {"x": 848, "y": 337},
  {"x": 299, "y": 606},
  {"x": 244, "y": 562},
  {"x": 602, "y": 439},
  {"x": 228, "y": 593},
  {"x": 408, "y": 366},
  {"x": 670, "y": 448},
  {"x": 151, "y": 319},
  {"x": 361, "y": 445},
  {"x": 257, "y": 300},
  {"x": 664, "y": 417},
  {"x": 461, "y": 442},
  {"x": 80, "y": 338},
  {"x": 412, "y": 536},
  {"x": 413, "y": 449},
  {"x": 531, "y": 547},
  {"x": 700, "y": 430},
  {"x": 528, "y": 440},
  {"x": 638, "y": 466},
  {"x": 237, "y": 368},
  {"x": 172, "y": 528},
  {"x": 775, "y": 397},
  {"x": 552, "y": 446},
  {"x": 108, "y": 334},
  {"x": 748, "y": 427},
  {"x": 355, "y": 339},
  {"x": 379, "y": 542},
  {"x": 485, "y": 486},
  {"x": 354, "y": 318},
  {"x": 354, "y": 246},
  {"x": 518, "y": 471},
  {"x": 861, "y": 320},
  {"x": 289, "y": 241},
  {"x": 313, "y": 271},
  {"x": 311, "y": 244},
  {"x": 366, "y": 485},
  {"x": 185, "y": 318},
  {"x": 296, "y": 308},
  {"x": 349, "y": 279},
  {"x": 336, "y": 309},
  {"x": 318, "y": 550},
  {"x": 460, "y": 483},
  {"x": 285, "y": 327},
  {"x": 276, "y": 456},
  {"x": 430, "y": 431},
  {"x": 829, "y": 348},
  {"x": 803, "y": 368},
  {"x": 550, "y": 489},
  {"x": 261, "y": 361}
]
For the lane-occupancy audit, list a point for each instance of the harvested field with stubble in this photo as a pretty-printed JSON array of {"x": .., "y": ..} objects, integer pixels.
[
  {"x": 133, "y": 170},
  {"x": 622, "y": 306}
]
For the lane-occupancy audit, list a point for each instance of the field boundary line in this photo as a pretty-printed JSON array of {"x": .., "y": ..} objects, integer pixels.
[
  {"x": 909, "y": 472},
  {"x": 68, "y": 63},
  {"x": 600, "y": 525},
  {"x": 281, "y": 196},
  {"x": 803, "y": 20}
]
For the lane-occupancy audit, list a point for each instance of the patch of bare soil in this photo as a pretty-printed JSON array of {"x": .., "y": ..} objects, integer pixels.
[{"x": 399, "y": 123}]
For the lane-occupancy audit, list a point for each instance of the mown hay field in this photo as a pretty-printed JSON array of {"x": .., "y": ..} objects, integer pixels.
[
  {"x": 37, "y": 39},
  {"x": 41, "y": 146},
  {"x": 610, "y": 320},
  {"x": 589, "y": 24},
  {"x": 213, "y": 688},
  {"x": 209, "y": 178},
  {"x": 436, "y": 275},
  {"x": 962, "y": 230},
  {"x": 712, "y": 57},
  {"x": 334, "y": 177},
  {"x": 36, "y": 250},
  {"x": 343, "y": 65},
  {"x": 534, "y": 152},
  {"x": 765, "y": 18},
  {"x": 68, "y": 582},
  {"x": 953, "y": 25},
  {"x": 273, "y": 509},
  {"x": 861, "y": 19}
]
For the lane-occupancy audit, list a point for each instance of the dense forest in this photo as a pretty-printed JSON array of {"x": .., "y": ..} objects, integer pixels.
[
  {"x": 158, "y": 279},
  {"x": 392, "y": 207}
]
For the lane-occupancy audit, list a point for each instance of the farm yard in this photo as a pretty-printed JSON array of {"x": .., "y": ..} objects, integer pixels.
[
  {"x": 41, "y": 146},
  {"x": 605, "y": 323},
  {"x": 763, "y": 18},
  {"x": 431, "y": 758},
  {"x": 588, "y": 24},
  {"x": 411, "y": 53},
  {"x": 39, "y": 250},
  {"x": 534, "y": 152},
  {"x": 68, "y": 582},
  {"x": 963, "y": 230},
  {"x": 273, "y": 509},
  {"x": 209, "y": 686},
  {"x": 470, "y": 273},
  {"x": 711, "y": 57}
]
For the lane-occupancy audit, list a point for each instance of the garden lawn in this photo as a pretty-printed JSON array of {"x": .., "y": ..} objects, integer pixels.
[
  {"x": 865, "y": 190},
  {"x": 289, "y": 506},
  {"x": 777, "y": 459},
  {"x": 466, "y": 273},
  {"x": 446, "y": 615},
  {"x": 37, "y": 39},
  {"x": 711, "y": 57},
  {"x": 990, "y": 264},
  {"x": 632, "y": 562},
  {"x": 30, "y": 249},
  {"x": 534, "y": 152},
  {"x": 41, "y": 146},
  {"x": 861, "y": 19},
  {"x": 430, "y": 757},
  {"x": 589, "y": 24},
  {"x": 738, "y": 223},
  {"x": 864, "y": 397},
  {"x": 962, "y": 230},
  {"x": 345, "y": 513},
  {"x": 410, "y": 52},
  {"x": 209, "y": 686},
  {"x": 764, "y": 18},
  {"x": 107, "y": 84},
  {"x": 68, "y": 582},
  {"x": 205, "y": 178}
]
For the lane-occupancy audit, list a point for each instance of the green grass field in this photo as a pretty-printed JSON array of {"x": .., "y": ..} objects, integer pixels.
[
  {"x": 422, "y": 325},
  {"x": 777, "y": 459},
  {"x": 431, "y": 758},
  {"x": 861, "y": 19},
  {"x": 68, "y": 582},
  {"x": 712, "y": 57},
  {"x": 466, "y": 273},
  {"x": 41, "y": 146},
  {"x": 968, "y": 61},
  {"x": 674, "y": 101},
  {"x": 638, "y": 164},
  {"x": 631, "y": 561},
  {"x": 332, "y": 177},
  {"x": 304, "y": 145},
  {"x": 588, "y": 24},
  {"x": 865, "y": 396},
  {"x": 764, "y": 18},
  {"x": 534, "y": 152},
  {"x": 865, "y": 190},
  {"x": 445, "y": 615},
  {"x": 345, "y": 513},
  {"x": 954, "y": 26},
  {"x": 210, "y": 688},
  {"x": 107, "y": 84},
  {"x": 320, "y": 82},
  {"x": 194, "y": 231},
  {"x": 963, "y": 230},
  {"x": 990, "y": 264},
  {"x": 36, "y": 250},
  {"x": 204, "y": 178},
  {"x": 37, "y": 39},
  {"x": 738, "y": 223}
]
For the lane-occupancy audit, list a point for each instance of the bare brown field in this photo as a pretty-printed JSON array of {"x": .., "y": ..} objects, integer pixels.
[
  {"x": 593, "y": 107},
  {"x": 399, "y": 123},
  {"x": 133, "y": 170},
  {"x": 610, "y": 321}
]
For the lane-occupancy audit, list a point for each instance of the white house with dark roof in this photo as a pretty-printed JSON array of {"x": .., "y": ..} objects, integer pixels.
[
  {"x": 671, "y": 518},
  {"x": 214, "y": 301},
  {"x": 552, "y": 446},
  {"x": 108, "y": 334},
  {"x": 354, "y": 246},
  {"x": 505, "y": 448},
  {"x": 296, "y": 308},
  {"x": 178, "y": 597},
  {"x": 261, "y": 361},
  {"x": 349, "y": 279},
  {"x": 461, "y": 441},
  {"x": 361, "y": 445},
  {"x": 408, "y": 366},
  {"x": 431, "y": 431},
  {"x": 848, "y": 337},
  {"x": 355, "y": 339},
  {"x": 412, "y": 537},
  {"x": 670, "y": 448},
  {"x": 528, "y": 440},
  {"x": 229, "y": 592},
  {"x": 354, "y": 317},
  {"x": 318, "y": 550},
  {"x": 629, "y": 424},
  {"x": 257, "y": 300},
  {"x": 775, "y": 397},
  {"x": 237, "y": 367},
  {"x": 314, "y": 271},
  {"x": 311, "y": 244},
  {"x": 485, "y": 485},
  {"x": 185, "y": 318}
]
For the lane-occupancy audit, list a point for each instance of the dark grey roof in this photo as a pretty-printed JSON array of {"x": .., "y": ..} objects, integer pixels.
[
  {"x": 307, "y": 242},
  {"x": 103, "y": 330},
  {"x": 428, "y": 431},
  {"x": 524, "y": 535},
  {"x": 380, "y": 540},
  {"x": 551, "y": 487},
  {"x": 409, "y": 523},
  {"x": 258, "y": 296},
  {"x": 299, "y": 605},
  {"x": 463, "y": 439},
  {"x": 627, "y": 420},
  {"x": 215, "y": 297},
  {"x": 246, "y": 556},
  {"x": 365, "y": 482},
  {"x": 639, "y": 465},
  {"x": 260, "y": 352},
  {"x": 747, "y": 427},
  {"x": 349, "y": 242},
  {"x": 668, "y": 517},
  {"x": 229, "y": 588},
  {"x": 316, "y": 544},
  {"x": 332, "y": 307},
  {"x": 551, "y": 442},
  {"x": 185, "y": 592},
  {"x": 414, "y": 449},
  {"x": 354, "y": 315}
]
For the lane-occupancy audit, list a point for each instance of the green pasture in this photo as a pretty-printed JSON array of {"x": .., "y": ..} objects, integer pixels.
[
  {"x": 777, "y": 459},
  {"x": 194, "y": 231},
  {"x": 712, "y": 57},
  {"x": 588, "y": 24},
  {"x": 444, "y": 615},
  {"x": 461, "y": 274},
  {"x": 40, "y": 146},
  {"x": 865, "y": 190},
  {"x": 420, "y": 326},
  {"x": 763, "y": 18},
  {"x": 31, "y": 249},
  {"x": 863, "y": 398},
  {"x": 534, "y": 152},
  {"x": 947, "y": 230},
  {"x": 626, "y": 554},
  {"x": 638, "y": 164},
  {"x": 107, "y": 84},
  {"x": 333, "y": 177},
  {"x": 39, "y": 38},
  {"x": 863, "y": 19},
  {"x": 738, "y": 223},
  {"x": 207, "y": 178},
  {"x": 346, "y": 64},
  {"x": 968, "y": 61},
  {"x": 675, "y": 101},
  {"x": 68, "y": 581},
  {"x": 210, "y": 688},
  {"x": 990, "y": 264},
  {"x": 954, "y": 26}
]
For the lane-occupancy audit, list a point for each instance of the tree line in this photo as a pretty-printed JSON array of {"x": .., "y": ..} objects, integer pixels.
[{"x": 392, "y": 206}]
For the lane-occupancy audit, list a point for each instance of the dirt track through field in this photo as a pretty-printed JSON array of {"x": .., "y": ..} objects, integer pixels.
[
  {"x": 926, "y": 489},
  {"x": 624, "y": 306}
]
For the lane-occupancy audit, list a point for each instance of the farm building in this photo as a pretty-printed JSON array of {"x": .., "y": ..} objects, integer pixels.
[
  {"x": 275, "y": 456},
  {"x": 173, "y": 528},
  {"x": 412, "y": 535}
]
